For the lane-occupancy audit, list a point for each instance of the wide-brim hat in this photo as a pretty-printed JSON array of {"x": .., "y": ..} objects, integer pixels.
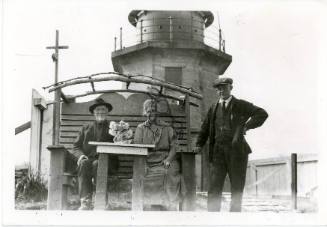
[
  {"x": 100, "y": 102},
  {"x": 222, "y": 80}
]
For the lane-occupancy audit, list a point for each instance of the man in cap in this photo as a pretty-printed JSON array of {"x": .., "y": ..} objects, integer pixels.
[
  {"x": 86, "y": 155},
  {"x": 225, "y": 125}
]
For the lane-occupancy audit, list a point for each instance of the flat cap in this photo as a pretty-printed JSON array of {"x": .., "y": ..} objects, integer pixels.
[{"x": 222, "y": 80}]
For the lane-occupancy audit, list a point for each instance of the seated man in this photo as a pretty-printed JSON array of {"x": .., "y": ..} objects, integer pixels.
[
  {"x": 163, "y": 182},
  {"x": 86, "y": 155}
]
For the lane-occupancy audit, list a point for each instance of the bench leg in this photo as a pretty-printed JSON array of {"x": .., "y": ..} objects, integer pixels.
[
  {"x": 137, "y": 186},
  {"x": 56, "y": 192},
  {"x": 101, "y": 197},
  {"x": 188, "y": 171}
]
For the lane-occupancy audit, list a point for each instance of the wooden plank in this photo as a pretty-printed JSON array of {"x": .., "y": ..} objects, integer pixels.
[
  {"x": 67, "y": 140},
  {"x": 137, "y": 185},
  {"x": 112, "y": 145},
  {"x": 22, "y": 127},
  {"x": 125, "y": 163},
  {"x": 122, "y": 170},
  {"x": 70, "y": 128},
  {"x": 102, "y": 180},
  {"x": 36, "y": 132},
  {"x": 55, "y": 189},
  {"x": 69, "y": 133},
  {"x": 40, "y": 103},
  {"x": 122, "y": 150},
  {"x": 126, "y": 158}
]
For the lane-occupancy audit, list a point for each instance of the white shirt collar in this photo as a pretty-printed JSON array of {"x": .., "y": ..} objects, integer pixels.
[{"x": 226, "y": 101}]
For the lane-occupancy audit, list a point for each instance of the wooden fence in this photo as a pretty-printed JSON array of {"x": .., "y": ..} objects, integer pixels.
[{"x": 273, "y": 176}]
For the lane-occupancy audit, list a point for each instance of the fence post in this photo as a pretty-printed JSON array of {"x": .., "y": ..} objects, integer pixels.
[
  {"x": 121, "y": 38},
  {"x": 256, "y": 180},
  {"x": 170, "y": 29},
  {"x": 191, "y": 26},
  {"x": 220, "y": 43},
  {"x": 294, "y": 180},
  {"x": 141, "y": 31},
  {"x": 223, "y": 43}
]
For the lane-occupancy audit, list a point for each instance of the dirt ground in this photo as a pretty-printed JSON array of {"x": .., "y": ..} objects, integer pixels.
[{"x": 250, "y": 204}]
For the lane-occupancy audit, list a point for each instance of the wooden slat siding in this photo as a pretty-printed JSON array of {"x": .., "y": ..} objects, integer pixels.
[
  {"x": 176, "y": 125},
  {"x": 125, "y": 169},
  {"x": 131, "y": 106},
  {"x": 74, "y": 134},
  {"x": 76, "y": 117},
  {"x": 69, "y": 140}
]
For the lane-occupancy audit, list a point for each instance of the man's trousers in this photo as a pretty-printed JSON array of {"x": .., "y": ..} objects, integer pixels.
[
  {"x": 87, "y": 170},
  {"x": 226, "y": 161}
]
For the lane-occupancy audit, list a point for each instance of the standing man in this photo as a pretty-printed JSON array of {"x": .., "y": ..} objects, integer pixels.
[
  {"x": 86, "y": 155},
  {"x": 225, "y": 125}
]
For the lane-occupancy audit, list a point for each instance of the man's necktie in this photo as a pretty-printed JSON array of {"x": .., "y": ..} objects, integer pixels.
[{"x": 224, "y": 106}]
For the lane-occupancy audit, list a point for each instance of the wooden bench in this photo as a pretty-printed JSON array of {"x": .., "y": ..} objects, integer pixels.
[{"x": 75, "y": 115}]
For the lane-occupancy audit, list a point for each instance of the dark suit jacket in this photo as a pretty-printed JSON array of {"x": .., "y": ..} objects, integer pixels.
[
  {"x": 81, "y": 145},
  {"x": 243, "y": 114}
]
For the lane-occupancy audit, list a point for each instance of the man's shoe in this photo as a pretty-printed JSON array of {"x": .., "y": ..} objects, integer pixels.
[
  {"x": 86, "y": 203},
  {"x": 84, "y": 207}
]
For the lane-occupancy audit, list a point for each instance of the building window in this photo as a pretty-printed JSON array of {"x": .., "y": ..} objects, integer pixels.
[{"x": 173, "y": 75}]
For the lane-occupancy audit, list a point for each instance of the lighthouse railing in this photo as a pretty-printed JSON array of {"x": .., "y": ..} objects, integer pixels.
[{"x": 173, "y": 29}]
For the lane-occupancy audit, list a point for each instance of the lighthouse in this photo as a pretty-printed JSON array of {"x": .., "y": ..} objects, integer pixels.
[{"x": 171, "y": 46}]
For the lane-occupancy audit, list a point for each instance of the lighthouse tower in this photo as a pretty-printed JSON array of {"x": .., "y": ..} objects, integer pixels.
[{"x": 171, "y": 46}]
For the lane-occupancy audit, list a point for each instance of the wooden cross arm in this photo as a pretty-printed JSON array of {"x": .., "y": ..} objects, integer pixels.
[{"x": 58, "y": 47}]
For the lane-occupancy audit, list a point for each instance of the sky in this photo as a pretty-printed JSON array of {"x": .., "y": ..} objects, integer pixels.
[{"x": 276, "y": 48}]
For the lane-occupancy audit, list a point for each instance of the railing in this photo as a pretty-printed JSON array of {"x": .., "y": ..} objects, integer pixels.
[{"x": 171, "y": 30}]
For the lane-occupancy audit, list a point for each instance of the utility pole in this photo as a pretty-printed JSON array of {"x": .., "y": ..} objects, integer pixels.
[{"x": 56, "y": 107}]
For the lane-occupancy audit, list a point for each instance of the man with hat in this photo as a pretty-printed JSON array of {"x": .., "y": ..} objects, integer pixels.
[
  {"x": 86, "y": 155},
  {"x": 225, "y": 125}
]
